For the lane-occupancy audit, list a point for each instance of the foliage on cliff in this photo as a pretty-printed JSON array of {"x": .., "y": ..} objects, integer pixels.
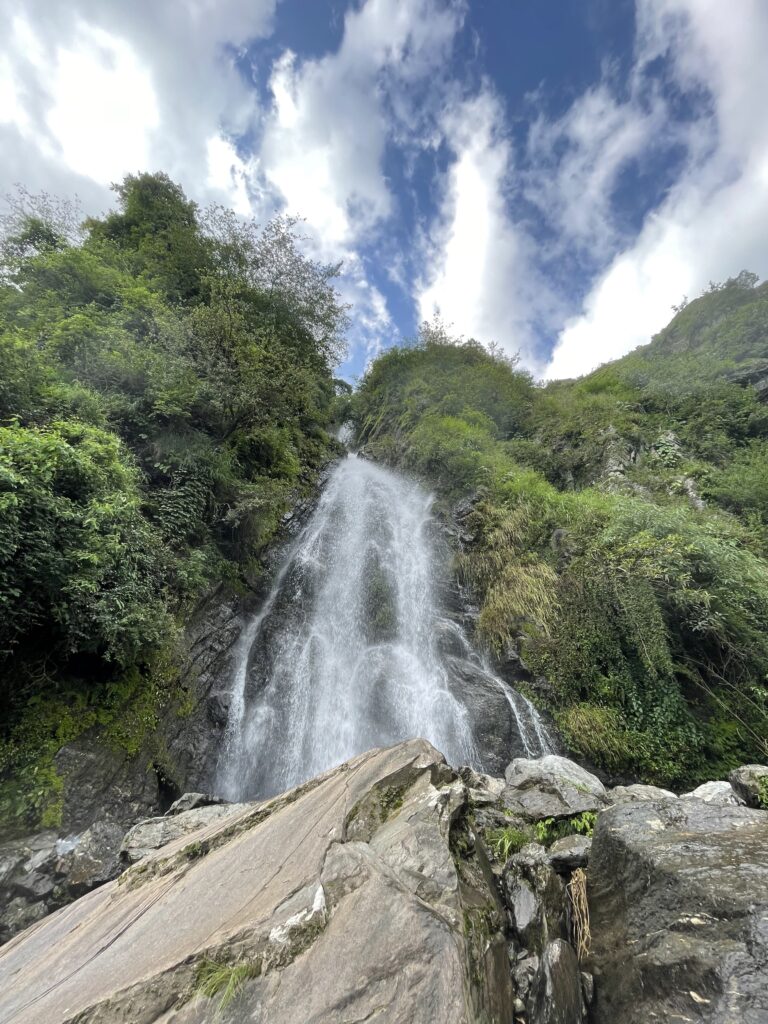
[
  {"x": 165, "y": 385},
  {"x": 620, "y": 522}
]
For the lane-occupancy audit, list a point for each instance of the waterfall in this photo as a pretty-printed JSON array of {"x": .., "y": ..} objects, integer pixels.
[{"x": 352, "y": 649}]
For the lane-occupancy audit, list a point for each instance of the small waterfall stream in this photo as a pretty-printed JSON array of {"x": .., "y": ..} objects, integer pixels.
[{"x": 352, "y": 650}]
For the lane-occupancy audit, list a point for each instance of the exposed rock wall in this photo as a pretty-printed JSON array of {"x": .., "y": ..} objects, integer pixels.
[
  {"x": 342, "y": 900},
  {"x": 394, "y": 888}
]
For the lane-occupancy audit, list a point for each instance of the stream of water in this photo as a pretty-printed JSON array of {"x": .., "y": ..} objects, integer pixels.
[{"x": 349, "y": 649}]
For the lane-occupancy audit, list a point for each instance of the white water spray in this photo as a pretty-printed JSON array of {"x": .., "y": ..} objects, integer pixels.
[{"x": 348, "y": 651}]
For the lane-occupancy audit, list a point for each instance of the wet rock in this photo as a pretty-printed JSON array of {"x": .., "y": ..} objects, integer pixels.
[
  {"x": 493, "y": 722},
  {"x": 535, "y": 898},
  {"x": 750, "y": 783},
  {"x": 40, "y": 873},
  {"x": 587, "y": 987},
  {"x": 102, "y": 784},
  {"x": 569, "y": 853},
  {"x": 555, "y": 996},
  {"x": 342, "y": 900},
  {"x": 89, "y": 860},
  {"x": 523, "y": 972},
  {"x": 191, "y": 801},
  {"x": 720, "y": 793},
  {"x": 678, "y": 897},
  {"x": 192, "y": 739},
  {"x": 153, "y": 833},
  {"x": 551, "y": 787},
  {"x": 631, "y": 794}
]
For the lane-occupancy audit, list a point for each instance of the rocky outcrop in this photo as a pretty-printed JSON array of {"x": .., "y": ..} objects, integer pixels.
[
  {"x": 100, "y": 783},
  {"x": 750, "y": 783},
  {"x": 551, "y": 787},
  {"x": 384, "y": 890},
  {"x": 42, "y": 873},
  {"x": 496, "y": 730},
  {"x": 678, "y": 898},
  {"x": 360, "y": 894}
]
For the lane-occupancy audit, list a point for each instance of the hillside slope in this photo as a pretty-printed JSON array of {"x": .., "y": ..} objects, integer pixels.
[
  {"x": 620, "y": 526},
  {"x": 165, "y": 387}
]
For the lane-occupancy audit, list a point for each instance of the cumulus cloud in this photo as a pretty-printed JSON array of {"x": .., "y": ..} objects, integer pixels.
[
  {"x": 101, "y": 88},
  {"x": 95, "y": 89},
  {"x": 713, "y": 220},
  {"x": 481, "y": 275},
  {"x": 324, "y": 139}
]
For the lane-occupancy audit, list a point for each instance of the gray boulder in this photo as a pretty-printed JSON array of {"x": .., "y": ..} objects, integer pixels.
[
  {"x": 359, "y": 895},
  {"x": 750, "y": 783},
  {"x": 569, "y": 853},
  {"x": 483, "y": 790},
  {"x": 190, "y": 801},
  {"x": 629, "y": 794},
  {"x": 720, "y": 793},
  {"x": 89, "y": 860},
  {"x": 154, "y": 833},
  {"x": 535, "y": 898},
  {"x": 556, "y": 996},
  {"x": 40, "y": 873},
  {"x": 678, "y": 897},
  {"x": 551, "y": 787}
]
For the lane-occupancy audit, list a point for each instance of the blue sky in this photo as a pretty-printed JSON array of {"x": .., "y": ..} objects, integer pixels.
[{"x": 550, "y": 176}]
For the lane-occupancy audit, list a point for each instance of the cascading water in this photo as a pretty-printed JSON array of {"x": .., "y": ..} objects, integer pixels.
[{"x": 351, "y": 650}]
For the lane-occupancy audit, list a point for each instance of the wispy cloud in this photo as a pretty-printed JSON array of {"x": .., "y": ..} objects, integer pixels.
[
  {"x": 713, "y": 221},
  {"x": 521, "y": 235},
  {"x": 481, "y": 274}
]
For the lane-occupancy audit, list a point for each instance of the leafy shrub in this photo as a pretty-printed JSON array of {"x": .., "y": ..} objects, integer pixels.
[
  {"x": 549, "y": 830},
  {"x": 503, "y": 842}
]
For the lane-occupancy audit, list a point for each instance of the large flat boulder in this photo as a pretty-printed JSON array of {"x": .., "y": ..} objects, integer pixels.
[
  {"x": 551, "y": 787},
  {"x": 678, "y": 897},
  {"x": 358, "y": 896}
]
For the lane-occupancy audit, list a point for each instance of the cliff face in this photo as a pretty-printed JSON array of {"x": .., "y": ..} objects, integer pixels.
[
  {"x": 340, "y": 900},
  {"x": 395, "y": 888}
]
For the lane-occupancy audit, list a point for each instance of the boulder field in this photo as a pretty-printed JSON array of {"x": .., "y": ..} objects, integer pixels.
[{"x": 396, "y": 889}]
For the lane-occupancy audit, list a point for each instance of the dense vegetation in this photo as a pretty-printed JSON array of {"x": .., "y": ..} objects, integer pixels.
[
  {"x": 165, "y": 385},
  {"x": 621, "y": 525}
]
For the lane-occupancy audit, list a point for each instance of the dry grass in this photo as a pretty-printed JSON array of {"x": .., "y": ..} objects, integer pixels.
[{"x": 581, "y": 936}]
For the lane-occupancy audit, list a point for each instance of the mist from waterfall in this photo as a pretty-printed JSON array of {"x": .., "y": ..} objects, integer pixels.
[{"x": 352, "y": 649}]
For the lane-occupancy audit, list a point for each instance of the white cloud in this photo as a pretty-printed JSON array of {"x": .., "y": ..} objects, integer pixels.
[
  {"x": 713, "y": 222},
  {"x": 99, "y": 81},
  {"x": 324, "y": 141},
  {"x": 101, "y": 88},
  {"x": 95, "y": 89},
  {"x": 576, "y": 161},
  {"x": 481, "y": 277}
]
